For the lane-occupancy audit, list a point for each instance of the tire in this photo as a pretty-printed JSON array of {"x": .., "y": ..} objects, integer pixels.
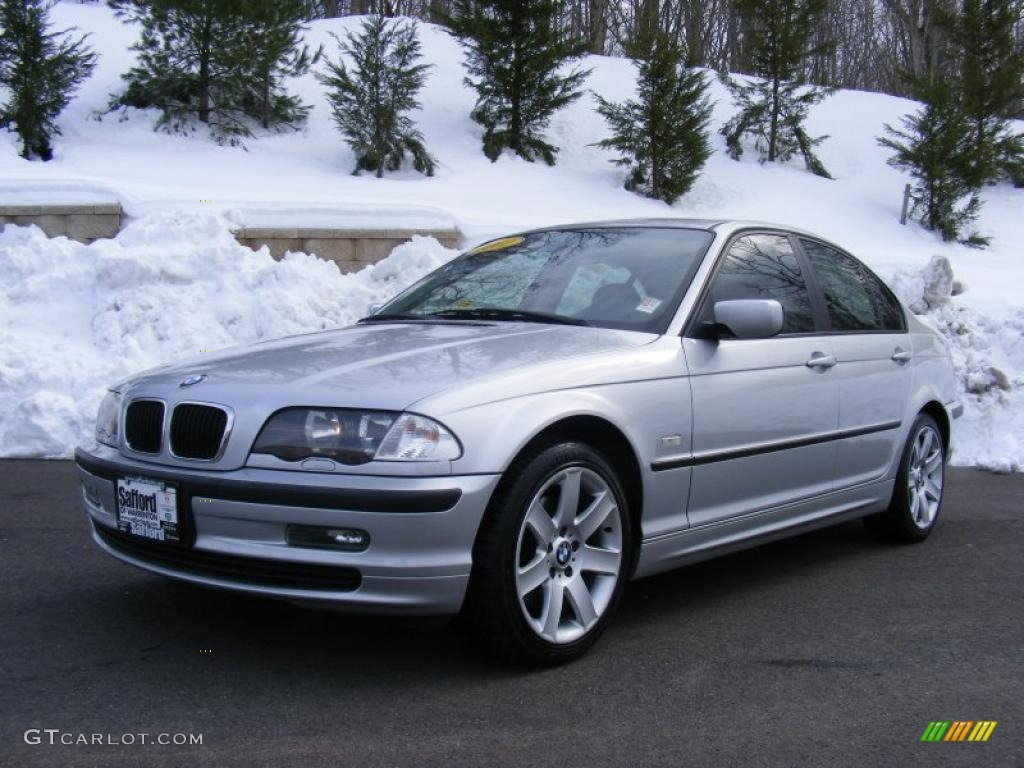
[
  {"x": 917, "y": 498},
  {"x": 539, "y": 552}
]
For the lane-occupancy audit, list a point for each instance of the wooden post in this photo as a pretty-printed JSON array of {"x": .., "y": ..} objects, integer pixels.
[{"x": 906, "y": 204}]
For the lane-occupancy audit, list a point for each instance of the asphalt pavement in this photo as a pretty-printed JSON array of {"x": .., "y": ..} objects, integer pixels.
[{"x": 824, "y": 650}]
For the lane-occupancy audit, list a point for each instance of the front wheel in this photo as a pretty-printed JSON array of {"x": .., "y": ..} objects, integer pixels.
[
  {"x": 552, "y": 556},
  {"x": 917, "y": 499}
]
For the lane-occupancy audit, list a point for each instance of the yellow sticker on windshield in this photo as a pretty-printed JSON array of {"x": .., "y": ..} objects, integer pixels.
[
  {"x": 497, "y": 245},
  {"x": 463, "y": 304}
]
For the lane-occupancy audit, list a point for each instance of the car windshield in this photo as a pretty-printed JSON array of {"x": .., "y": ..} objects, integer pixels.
[{"x": 630, "y": 278}]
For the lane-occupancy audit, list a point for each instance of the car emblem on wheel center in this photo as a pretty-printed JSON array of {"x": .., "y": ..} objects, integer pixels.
[
  {"x": 563, "y": 553},
  {"x": 193, "y": 380}
]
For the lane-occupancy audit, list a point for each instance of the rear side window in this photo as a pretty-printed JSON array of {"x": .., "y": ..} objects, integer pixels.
[
  {"x": 857, "y": 300},
  {"x": 765, "y": 267}
]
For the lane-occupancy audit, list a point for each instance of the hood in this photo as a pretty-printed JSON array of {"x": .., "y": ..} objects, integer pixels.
[{"x": 385, "y": 366}]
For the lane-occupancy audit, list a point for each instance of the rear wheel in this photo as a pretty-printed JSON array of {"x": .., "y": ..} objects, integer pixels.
[
  {"x": 917, "y": 499},
  {"x": 551, "y": 557}
]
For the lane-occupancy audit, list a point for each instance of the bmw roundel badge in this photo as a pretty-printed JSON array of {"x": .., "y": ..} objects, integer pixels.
[{"x": 192, "y": 380}]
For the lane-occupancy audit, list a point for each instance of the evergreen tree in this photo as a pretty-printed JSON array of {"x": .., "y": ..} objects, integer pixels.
[
  {"x": 991, "y": 84},
  {"x": 215, "y": 62},
  {"x": 662, "y": 134},
  {"x": 40, "y": 70},
  {"x": 773, "y": 109},
  {"x": 936, "y": 147},
  {"x": 371, "y": 100},
  {"x": 275, "y": 43},
  {"x": 515, "y": 58}
]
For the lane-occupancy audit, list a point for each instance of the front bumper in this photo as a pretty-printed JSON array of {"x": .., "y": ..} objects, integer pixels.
[{"x": 421, "y": 532}]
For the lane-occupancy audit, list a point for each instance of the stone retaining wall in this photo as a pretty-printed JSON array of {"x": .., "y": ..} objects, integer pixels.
[
  {"x": 351, "y": 249},
  {"x": 85, "y": 222}
]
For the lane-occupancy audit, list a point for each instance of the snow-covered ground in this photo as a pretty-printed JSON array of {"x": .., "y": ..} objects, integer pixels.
[{"x": 73, "y": 317}]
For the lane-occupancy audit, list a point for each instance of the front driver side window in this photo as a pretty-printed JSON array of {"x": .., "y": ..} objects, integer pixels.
[{"x": 765, "y": 267}]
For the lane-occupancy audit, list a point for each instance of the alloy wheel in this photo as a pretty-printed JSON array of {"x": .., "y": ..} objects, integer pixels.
[
  {"x": 569, "y": 554},
  {"x": 925, "y": 476}
]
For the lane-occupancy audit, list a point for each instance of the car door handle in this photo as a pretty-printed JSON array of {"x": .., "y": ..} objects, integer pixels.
[
  {"x": 821, "y": 361},
  {"x": 901, "y": 356}
]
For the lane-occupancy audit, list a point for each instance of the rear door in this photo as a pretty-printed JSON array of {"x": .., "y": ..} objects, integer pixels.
[
  {"x": 873, "y": 353},
  {"x": 765, "y": 411}
]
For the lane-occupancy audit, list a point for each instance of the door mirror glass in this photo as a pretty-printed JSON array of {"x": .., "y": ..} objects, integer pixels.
[{"x": 750, "y": 318}]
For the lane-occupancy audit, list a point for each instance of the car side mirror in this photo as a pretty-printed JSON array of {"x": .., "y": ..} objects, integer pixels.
[{"x": 749, "y": 318}]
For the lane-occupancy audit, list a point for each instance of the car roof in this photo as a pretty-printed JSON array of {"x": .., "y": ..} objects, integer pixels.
[{"x": 711, "y": 225}]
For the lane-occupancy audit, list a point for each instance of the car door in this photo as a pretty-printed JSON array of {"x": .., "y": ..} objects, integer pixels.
[
  {"x": 765, "y": 411},
  {"x": 873, "y": 353}
]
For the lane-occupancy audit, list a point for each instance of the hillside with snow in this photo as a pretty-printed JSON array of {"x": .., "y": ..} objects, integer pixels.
[{"x": 73, "y": 317}]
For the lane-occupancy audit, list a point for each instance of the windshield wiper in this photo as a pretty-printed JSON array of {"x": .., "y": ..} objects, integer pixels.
[
  {"x": 520, "y": 315},
  {"x": 391, "y": 316}
]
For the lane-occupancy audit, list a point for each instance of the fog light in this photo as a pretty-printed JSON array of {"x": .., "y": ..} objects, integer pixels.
[{"x": 317, "y": 537}]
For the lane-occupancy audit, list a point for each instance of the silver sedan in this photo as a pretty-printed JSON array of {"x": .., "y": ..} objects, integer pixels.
[{"x": 532, "y": 425}]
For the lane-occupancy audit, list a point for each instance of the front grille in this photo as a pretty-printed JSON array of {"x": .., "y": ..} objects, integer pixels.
[
  {"x": 234, "y": 568},
  {"x": 144, "y": 425},
  {"x": 197, "y": 431}
]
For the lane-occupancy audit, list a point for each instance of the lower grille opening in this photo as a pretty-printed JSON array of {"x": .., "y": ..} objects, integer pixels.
[
  {"x": 144, "y": 425},
  {"x": 236, "y": 568},
  {"x": 197, "y": 431}
]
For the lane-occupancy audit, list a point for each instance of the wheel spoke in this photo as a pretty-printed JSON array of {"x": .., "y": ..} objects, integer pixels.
[
  {"x": 933, "y": 462},
  {"x": 598, "y": 560},
  {"x": 920, "y": 507},
  {"x": 552, "y": 615},
  {"x": 569, "y": 498},
  {"x": 540, "y": 521},
  {"x": 595, "y": 515},
  {"x": 932, "y": 489},
  {"x": 926, "y": 442},
  {"x": 533, "y": 574},
  {"x": 582, "y": 602}
]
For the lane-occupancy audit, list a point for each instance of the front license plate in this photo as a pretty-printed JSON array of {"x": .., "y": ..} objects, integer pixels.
[{"x": 148, "y": 508}]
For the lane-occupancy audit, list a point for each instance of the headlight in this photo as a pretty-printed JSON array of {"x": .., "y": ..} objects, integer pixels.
[
  {"x": 354, "y": 437},
  {"x": 107, "y": 418}
]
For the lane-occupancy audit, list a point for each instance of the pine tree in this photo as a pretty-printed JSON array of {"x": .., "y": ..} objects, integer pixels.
[
  {"x": 516, "y": 55},
  {"x": 991, "y": 83},
  {"x": 41, "y": 70},
  {"x": 936, "y": 147},
  {"x": 662, "y": 134},
  {"x": 370, "y": 100},
  {"x": 220, "y": 63},
  {"x": 274, "y": 40},
  {"x": 774, "y": 107}
]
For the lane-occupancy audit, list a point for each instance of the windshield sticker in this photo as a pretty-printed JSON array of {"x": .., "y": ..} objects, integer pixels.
[
  {"x": 463, "y": 304},
  {"x": 648, "y": 305},
  {"x": 497, "y": 245}
]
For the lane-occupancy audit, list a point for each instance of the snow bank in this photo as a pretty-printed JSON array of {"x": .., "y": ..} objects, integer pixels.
[
  {"x": 989, "y": 355},
  {"x": 75, "y": 318}
]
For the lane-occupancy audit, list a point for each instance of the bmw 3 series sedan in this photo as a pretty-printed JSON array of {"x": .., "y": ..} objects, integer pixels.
[{"x": 534, "y": 424}]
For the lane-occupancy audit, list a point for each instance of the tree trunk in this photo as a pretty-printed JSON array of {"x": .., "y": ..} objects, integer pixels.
[
  {"x": 205, "y": 52},
  {"x": 266, "y": 100},
  {"x": 773, "y": 132},
  {"x": 598, "y": 26},
  {"x": 438, "y": 9},
  {"x": 693, "y": 27}
]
